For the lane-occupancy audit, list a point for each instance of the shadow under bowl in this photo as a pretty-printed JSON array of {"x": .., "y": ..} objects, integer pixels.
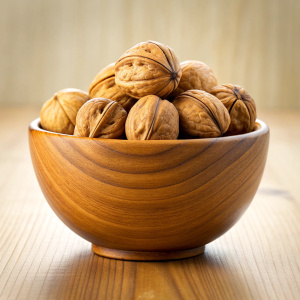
[{"x": 149, "y": 200}]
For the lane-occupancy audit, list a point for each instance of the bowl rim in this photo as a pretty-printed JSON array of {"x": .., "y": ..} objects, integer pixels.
[{"x": 261, "y": 130}]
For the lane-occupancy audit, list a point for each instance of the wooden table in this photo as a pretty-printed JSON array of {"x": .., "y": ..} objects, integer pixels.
[{"x": 259, "y": 258}]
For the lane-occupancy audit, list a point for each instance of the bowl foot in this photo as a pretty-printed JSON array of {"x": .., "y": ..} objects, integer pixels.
[{"x": 145, "y": 255}]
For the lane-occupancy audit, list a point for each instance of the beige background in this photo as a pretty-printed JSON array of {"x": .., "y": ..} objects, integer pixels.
[{"x": 50, "y": 45}]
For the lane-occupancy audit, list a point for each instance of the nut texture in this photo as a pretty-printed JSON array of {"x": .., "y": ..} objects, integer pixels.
[
  {"x": 240, "y": 105},
  {"x": 196, "y": 75},
  {"x": 101, "y": 118},
  {"x": 104, "y": 86},
  {"x": 149, "y": 68},
  {"x": 201, "y": 114},
  {"x": 58, "y": 114},
  {"x": 152, "y": 119}
]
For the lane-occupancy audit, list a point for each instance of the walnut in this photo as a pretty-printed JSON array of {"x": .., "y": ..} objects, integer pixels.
[
  {"x": 196, "y": 75},
  {"x": 58, "y": 114},
  {"x": 240, "y": 106},
  {"x": 152, "y": 119},
  {"x": 149, "y": 68},
  {"x": 101, "y": 118},
  {"x": 201, "y": 114},
  {"x": 104, "y": 86}
]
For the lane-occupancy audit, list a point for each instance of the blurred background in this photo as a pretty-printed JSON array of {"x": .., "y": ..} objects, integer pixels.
[{"x": 50, "y": 45}]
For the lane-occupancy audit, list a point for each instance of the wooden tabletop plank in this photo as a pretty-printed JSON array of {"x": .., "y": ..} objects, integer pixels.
[{"x": 40, "y": 258}]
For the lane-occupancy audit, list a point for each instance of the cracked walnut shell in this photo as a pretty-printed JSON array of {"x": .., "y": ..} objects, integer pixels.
[
  {"x": 58, "y": 114},
  {"x": 196, "y": 75},
  {"x": 101, "y": 118},
  {"x": 240, "y": 106},
  {"x": 152, "y": 119},
  {"x": 201, "y": 114},
  {"x": 149, "y": 68},
  {"x": 104, "y": 86}
]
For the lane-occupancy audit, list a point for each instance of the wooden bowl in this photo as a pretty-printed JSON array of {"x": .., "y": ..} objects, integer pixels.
[{"x": 149, "y": 200}]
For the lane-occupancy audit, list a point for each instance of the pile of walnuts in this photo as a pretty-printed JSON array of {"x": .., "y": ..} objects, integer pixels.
[{"x": 149, "y": 95}]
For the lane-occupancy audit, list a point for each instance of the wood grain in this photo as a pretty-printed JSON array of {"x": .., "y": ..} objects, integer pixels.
[
  {"x": 149, "y": 196},
  {"x": 254, "y": 44},
  {"x": 40, "y": 258}
]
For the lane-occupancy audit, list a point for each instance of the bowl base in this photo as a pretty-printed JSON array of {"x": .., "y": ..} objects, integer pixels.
[{"x": 146, "y": 255}]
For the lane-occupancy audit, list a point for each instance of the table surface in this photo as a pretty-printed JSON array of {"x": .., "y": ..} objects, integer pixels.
[{"x": 259, "y": 258}]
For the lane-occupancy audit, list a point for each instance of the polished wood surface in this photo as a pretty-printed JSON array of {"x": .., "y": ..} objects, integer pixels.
[
  {"x": 41, "y": 258},
  {"x": 144, "y": 196},
  {"x": 147, "y": 255}
]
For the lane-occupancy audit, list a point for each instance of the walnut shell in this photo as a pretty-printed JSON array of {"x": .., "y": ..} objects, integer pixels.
[
  {"x": 152, "y": 119},
  {"x": 196, "y": 75},
  {"x": 104, "y": 86},
  {"x": 201, "y": 114},
  {"x": 149, "y": 68},
  {"x": 58, "y": 114},
  {"x": 101, "y": 118},
  {"x": 240, "y": 106}
]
